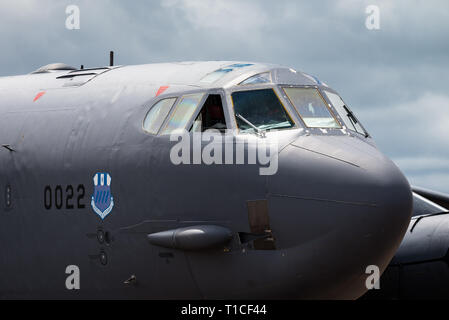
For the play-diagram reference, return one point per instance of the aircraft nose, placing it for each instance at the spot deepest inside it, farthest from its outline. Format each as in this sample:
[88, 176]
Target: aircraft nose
[337, 206]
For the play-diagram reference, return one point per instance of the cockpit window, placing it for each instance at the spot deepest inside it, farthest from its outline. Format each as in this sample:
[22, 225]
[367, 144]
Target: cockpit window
[311, 107]
[215, 76]
[211, 115]
[218, 74]
[183, 112]
[261, 109]
[258, 78]
[348, 117]
[157, 114]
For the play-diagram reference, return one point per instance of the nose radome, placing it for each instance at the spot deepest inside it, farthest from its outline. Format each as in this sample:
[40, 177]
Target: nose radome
[339, 169]
[344, 200]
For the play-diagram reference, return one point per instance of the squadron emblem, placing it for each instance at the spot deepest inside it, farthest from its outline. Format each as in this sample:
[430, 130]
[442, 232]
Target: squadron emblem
[102, 200]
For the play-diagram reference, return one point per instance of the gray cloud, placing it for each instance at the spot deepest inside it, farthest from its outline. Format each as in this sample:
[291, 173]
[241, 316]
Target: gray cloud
[396, 78]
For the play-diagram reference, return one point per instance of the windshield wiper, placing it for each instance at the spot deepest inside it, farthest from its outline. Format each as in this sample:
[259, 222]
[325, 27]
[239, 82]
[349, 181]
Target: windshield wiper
[354, 120]
[350, 115]
[260, 133]
[279, 125]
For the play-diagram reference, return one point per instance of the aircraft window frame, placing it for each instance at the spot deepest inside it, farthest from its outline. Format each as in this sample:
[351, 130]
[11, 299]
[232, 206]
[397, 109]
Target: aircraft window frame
[188, 122]
[320, 94]
[364, 132]
[261, 86]
[200, 107]
[176, 100]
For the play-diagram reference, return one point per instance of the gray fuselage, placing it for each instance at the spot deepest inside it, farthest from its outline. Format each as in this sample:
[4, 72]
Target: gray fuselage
[334, 206]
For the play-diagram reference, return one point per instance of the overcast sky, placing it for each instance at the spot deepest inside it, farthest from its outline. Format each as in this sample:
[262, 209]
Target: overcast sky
[396, 79]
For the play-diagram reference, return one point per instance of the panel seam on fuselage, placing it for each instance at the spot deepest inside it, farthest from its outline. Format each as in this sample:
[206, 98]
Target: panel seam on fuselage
[326, 155]
[365, 204]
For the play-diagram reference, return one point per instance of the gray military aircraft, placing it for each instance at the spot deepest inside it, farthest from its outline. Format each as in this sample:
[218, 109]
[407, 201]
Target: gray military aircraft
[101, 201]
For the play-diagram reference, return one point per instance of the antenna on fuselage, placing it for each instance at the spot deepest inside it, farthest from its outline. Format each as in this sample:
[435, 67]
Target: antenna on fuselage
[111, 58]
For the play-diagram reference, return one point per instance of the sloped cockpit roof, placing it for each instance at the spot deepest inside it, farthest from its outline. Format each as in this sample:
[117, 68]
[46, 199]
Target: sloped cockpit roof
[206, 74]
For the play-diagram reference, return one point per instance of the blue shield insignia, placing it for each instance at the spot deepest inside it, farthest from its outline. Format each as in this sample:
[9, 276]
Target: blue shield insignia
[102, 200]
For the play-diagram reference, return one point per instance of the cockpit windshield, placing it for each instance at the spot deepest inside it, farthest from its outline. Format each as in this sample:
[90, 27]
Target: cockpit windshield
[261, 109]
[311, 107]
[348, 117]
